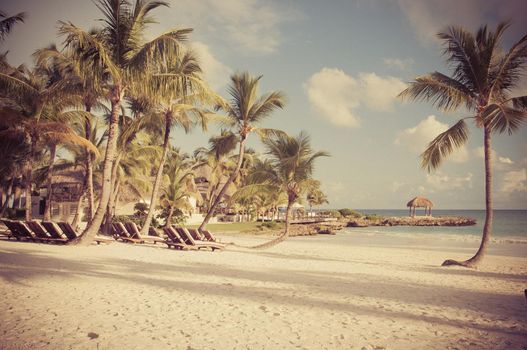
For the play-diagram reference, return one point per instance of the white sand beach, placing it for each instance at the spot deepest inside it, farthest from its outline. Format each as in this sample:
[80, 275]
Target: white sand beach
[348, 291]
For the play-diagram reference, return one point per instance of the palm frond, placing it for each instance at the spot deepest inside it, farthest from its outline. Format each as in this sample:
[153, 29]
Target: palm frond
[442, 91]
[443, 145]
[501, 118]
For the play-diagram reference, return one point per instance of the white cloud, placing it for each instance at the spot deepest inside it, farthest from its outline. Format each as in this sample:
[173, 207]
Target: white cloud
[440, 181]
[417, 138]
[216, 73]
[336, 95]
[429, 17]
[514, 181]
[505, 160]
[501, 163]
[253, 26]
[398, 63]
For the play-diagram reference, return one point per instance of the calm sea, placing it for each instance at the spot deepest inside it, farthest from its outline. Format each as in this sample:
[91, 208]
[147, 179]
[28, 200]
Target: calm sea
[507, 223]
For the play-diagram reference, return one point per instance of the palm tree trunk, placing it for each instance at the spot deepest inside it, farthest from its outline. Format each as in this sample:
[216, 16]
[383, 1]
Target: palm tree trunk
[8, 196]
[89, 171]
[168, 221]
[487, 228]
[47, 207]
[291, 199]
[159, 176]
[78, 211]
[29, 178]
[94, 225]
[225, 186]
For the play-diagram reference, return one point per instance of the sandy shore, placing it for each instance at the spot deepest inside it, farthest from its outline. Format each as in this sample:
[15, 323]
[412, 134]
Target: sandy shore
[349, 291]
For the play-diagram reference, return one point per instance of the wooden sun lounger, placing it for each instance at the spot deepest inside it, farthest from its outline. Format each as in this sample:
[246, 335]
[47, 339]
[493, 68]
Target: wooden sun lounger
[70, 232]
[42, 233]
[201, 237]
[208, 236]
[134, 231]
[54, 230]
[18, 231]
[124, 235]
[174, 240]
[188, 239]
[9, 232]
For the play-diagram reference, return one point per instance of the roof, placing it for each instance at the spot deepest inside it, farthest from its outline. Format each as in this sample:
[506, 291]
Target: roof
[420, 202]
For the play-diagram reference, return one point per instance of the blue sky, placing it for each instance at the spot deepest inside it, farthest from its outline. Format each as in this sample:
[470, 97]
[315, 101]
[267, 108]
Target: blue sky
[341, 64]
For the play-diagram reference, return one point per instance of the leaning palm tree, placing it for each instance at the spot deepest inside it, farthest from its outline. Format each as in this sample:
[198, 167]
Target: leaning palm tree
[244, 112]
[288, 170]
[483, 77]
[125, 57]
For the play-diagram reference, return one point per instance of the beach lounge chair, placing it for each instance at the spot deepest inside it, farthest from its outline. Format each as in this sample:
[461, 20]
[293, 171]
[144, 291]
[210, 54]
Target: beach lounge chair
[54, 230]
[7, 233]
[174, 240]
[202, 237]
[135, 232]
[124, 234]
[42, 233]
[70, 232]
[25, 231]
[188, 239]
[208, 236]
[17, 231]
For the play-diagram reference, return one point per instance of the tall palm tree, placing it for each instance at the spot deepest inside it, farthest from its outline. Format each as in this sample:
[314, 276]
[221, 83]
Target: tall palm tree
[180, 94]
[7, 22]
[120, 48]
[288, 170]
[244, 112]
[483, 77]
[83, 79]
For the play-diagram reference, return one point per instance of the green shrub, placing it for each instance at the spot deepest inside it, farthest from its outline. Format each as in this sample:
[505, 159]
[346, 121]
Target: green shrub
[270, 225]
[349, 213]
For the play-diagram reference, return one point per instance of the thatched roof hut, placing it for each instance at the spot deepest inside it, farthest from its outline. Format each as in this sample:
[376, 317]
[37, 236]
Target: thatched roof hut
[420, 202]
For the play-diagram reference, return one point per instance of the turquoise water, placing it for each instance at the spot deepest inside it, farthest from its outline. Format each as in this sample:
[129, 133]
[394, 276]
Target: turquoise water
[507, 223]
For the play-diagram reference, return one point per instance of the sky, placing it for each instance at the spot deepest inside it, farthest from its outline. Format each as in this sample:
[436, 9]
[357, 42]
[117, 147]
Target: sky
[341, 65]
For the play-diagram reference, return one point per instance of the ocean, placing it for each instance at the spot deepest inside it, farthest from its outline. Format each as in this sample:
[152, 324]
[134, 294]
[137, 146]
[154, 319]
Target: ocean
[507, 223]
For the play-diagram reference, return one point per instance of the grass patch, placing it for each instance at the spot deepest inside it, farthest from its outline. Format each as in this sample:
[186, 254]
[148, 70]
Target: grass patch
[240, 227]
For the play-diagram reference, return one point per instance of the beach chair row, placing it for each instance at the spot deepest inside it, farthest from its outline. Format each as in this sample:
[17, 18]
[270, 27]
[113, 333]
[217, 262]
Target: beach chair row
[43, 231]
[174, 237]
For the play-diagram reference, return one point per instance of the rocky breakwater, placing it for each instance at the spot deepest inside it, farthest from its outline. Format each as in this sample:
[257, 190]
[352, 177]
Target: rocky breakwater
[412, 221]
[320, 228]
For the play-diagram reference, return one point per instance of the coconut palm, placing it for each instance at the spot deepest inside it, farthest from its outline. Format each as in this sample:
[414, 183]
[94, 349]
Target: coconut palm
[83, 79]
[36, 100]
[122, 52]
[244, 112]
[316, 197]
[179, 185]
[288, 170]
[7, 22]
[180, 94]
[483, 77]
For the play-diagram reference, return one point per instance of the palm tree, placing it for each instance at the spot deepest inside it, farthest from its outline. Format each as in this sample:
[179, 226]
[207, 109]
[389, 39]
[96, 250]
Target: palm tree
[83, 79]
[288, 170]
[178, 88]
[244, 112]
[38, 98]
[7, 22]
[483, 77]
[179, 186]
[316, 197]
[120, 49]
